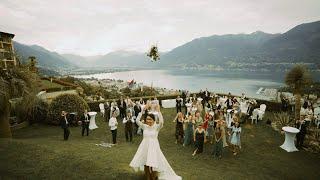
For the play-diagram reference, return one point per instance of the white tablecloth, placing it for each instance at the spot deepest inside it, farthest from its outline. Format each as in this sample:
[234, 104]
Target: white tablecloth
[92, 124]
[169, 103]
[288, 144]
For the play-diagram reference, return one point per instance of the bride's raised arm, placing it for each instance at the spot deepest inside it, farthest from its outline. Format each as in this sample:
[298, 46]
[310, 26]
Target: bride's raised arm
[139, 123]
[160, 124]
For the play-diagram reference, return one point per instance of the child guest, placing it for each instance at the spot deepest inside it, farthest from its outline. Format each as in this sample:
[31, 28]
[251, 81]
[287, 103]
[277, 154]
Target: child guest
[235, 137]
[113, 127]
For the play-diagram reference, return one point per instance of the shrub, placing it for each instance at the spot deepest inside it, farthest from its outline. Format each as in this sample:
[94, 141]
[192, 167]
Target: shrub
[281, 119]
[66, 102]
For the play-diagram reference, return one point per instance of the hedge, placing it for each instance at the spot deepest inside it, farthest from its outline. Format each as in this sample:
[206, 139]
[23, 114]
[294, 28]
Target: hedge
[65, 102]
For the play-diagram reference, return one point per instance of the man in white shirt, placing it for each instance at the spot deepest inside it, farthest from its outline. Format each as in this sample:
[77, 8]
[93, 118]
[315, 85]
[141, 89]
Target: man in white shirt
[113, 123]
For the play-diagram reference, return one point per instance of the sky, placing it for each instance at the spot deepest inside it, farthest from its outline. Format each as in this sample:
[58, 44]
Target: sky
[97, 27]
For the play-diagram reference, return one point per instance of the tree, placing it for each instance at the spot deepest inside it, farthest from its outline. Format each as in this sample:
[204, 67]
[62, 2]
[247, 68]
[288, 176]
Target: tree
[298, 78]
[14, 82]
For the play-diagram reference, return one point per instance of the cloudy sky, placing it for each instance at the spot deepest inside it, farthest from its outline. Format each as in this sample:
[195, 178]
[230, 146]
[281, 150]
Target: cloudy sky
[92, 27]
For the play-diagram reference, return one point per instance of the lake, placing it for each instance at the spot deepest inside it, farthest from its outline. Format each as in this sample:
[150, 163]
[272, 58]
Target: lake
[220, 82]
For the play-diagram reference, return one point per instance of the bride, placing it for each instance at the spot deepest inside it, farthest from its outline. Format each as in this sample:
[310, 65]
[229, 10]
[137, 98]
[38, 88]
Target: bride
[149, 156]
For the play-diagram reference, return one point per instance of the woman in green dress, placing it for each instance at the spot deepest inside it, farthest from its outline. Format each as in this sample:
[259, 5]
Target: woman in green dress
[189, 126]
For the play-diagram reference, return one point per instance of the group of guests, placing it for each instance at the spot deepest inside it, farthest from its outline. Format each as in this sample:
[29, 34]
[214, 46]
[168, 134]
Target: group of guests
[65, 122]
[208, 120]
[127, 111]
[309, 116]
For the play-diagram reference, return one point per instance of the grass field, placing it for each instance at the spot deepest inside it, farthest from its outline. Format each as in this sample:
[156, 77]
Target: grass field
[38, 152]
[45, 84]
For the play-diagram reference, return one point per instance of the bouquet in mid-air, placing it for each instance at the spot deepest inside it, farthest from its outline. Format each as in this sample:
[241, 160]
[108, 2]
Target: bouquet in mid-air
[153, 53]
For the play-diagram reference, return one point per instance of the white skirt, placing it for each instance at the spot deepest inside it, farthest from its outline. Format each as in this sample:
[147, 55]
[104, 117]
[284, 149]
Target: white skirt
[150, 154]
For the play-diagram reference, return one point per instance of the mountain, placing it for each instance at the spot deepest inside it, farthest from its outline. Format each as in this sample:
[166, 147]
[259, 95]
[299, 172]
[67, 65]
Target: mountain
[244, 51]
[217, 49]
[300, 44]
[45, 58]
[124, 59]
[119, 58]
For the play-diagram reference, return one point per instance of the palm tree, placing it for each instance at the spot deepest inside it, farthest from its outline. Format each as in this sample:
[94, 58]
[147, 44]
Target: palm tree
[297, 79]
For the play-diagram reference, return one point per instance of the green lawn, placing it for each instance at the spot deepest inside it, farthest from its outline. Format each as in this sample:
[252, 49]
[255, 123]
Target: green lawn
[38, 152]
[45, 84]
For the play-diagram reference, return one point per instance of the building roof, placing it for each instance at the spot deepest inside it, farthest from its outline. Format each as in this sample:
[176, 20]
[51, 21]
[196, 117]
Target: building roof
[9, 34]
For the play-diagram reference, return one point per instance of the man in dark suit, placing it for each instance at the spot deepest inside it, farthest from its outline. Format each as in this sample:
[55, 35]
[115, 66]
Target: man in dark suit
[107, 108]
[85, 120]
[122, 107]
[64, 123]
[206, 95]
[229, 102]
[178, 104]
[302, 126]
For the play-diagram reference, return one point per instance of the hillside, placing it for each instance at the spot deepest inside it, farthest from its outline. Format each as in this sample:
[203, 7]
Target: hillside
[45, 58]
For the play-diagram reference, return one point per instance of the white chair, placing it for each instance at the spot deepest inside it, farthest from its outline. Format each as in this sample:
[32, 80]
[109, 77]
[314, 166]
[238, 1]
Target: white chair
[244, 107]
[317, 116]
[254, 116]
[262, 111]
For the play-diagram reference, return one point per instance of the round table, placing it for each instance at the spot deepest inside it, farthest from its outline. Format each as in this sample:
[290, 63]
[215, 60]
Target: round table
[288, 144]
[92, 124]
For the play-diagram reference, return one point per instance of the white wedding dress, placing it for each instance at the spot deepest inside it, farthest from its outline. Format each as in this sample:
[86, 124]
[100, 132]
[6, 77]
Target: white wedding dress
[149, 152]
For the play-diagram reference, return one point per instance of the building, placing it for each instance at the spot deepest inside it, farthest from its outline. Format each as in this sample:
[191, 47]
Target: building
[7, 57]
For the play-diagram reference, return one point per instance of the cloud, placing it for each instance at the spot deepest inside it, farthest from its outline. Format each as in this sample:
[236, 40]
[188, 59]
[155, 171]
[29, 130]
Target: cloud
[100, 26]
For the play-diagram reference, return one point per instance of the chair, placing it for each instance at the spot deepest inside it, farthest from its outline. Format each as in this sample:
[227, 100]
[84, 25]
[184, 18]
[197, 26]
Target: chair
[254, 116]
[262, 111]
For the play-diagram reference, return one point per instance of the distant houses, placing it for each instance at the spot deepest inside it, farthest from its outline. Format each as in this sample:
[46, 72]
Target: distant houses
[7, 55]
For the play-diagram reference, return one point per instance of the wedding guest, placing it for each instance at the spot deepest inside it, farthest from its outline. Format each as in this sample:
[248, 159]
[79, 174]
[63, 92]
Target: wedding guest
[179, 119]
[302, 126]
[85, 120]
[206, 121]
[183, 96]
[64, 123]
[122, 107]
[217, 147]
[107, 108]
[178, 104]
[211, 125]
[206, 95]
[198, 119]
[243, 97]
[128, 122]
[199, 106]
[102, 110]
[199, 139]
[223, 131]
[235, 137]
[208, 107]
[113, 123]
[189, 124]
[141, 101]
[229, 102]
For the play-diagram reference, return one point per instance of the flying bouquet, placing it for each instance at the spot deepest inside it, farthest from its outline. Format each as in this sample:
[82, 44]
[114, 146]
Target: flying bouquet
[153, 53]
